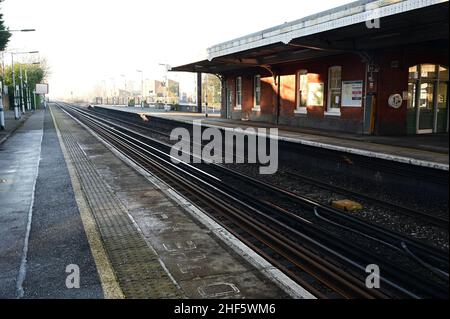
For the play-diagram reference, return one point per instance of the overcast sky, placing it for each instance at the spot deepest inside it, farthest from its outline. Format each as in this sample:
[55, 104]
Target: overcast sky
[90, 41]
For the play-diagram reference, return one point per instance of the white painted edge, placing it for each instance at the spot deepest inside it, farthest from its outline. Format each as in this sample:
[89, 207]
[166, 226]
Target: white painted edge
[267, 269]
[301, 110]
[379, 155]
[332, 113]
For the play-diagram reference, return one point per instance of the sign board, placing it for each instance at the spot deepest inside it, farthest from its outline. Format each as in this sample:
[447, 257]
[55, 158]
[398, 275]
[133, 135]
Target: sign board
[352, 92]
[41, 88]
[395, 101]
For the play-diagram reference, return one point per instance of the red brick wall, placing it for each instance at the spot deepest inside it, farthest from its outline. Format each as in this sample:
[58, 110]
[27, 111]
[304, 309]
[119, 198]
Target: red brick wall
[231, 85]
[394, 80]
[287, 95]
[390, 80]
[268, 95]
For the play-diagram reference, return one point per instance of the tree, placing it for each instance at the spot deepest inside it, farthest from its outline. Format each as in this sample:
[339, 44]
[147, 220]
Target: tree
[211, 87]
[4, 36]
[36, 73]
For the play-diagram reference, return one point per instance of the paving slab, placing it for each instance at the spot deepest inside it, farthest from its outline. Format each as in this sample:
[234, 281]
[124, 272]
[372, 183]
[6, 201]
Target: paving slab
[198, 263]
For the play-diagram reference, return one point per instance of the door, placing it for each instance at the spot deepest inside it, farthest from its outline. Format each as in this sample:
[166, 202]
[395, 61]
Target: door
[442, 101]
[426, 107]
[427, 110]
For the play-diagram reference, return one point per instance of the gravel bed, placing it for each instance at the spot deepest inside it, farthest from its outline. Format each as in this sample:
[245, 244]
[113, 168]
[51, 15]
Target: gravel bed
[412, 227]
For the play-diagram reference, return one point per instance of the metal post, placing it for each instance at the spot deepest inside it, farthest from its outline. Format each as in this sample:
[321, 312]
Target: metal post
[34, 98]
[206, 95]
[2, 114]
[16, 107]
[199, 92]
[166, 88]
[142, 88]
[27, 91]
[22, 102]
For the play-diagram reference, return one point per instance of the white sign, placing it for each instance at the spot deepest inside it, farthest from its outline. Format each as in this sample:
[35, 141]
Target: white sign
[41, 88]
[395, 101]
[352, 92]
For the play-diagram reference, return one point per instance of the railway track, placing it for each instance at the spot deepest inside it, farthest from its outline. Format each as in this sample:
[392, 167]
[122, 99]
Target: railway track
[299, 241]
[425, 217]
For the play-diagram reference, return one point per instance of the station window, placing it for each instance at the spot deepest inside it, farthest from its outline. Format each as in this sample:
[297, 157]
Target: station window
[257, 93]
[302, 91]
[239, 93]
[334, 89]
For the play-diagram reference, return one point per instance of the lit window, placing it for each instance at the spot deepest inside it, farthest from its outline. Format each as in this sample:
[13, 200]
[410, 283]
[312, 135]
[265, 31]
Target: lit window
[238, 92]
[334, 88]
[302, 89]
[257, 91]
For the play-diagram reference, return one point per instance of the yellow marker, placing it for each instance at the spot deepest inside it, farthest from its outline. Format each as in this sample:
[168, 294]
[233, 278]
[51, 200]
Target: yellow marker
[346, 205]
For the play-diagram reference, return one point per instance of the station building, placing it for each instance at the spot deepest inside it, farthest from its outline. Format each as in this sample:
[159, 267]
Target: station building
[369, 67]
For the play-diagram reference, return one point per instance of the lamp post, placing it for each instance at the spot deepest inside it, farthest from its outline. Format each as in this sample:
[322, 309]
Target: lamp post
[34, 99]
[2, 113]
[142, 87]
[22, 101]
[206, 95]
[27, 91]
[16, 107]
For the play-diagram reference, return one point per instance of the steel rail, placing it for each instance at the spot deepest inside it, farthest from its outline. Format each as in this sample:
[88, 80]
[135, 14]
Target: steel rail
[90, 115]
[396, 208]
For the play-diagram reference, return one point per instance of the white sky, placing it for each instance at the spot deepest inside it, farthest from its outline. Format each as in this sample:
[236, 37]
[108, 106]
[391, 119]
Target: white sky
[90, 41]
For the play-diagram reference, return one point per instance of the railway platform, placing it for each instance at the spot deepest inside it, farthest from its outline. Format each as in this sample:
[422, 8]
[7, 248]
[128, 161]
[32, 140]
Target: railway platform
[11, 124]
[430, 151]
[71, 205]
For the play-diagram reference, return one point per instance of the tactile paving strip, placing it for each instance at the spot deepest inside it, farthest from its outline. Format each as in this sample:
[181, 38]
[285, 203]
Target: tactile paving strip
[137, 268]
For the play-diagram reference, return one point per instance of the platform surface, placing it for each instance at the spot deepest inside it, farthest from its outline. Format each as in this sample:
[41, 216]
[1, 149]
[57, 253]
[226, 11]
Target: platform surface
[67, 199]
[422, 150]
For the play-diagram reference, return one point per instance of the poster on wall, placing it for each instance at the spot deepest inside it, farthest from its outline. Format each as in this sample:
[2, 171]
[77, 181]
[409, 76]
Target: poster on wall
[352, 93]
[315, 94]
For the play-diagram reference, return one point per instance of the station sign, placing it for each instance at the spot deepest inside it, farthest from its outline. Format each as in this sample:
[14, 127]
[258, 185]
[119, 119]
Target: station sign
[41, 88]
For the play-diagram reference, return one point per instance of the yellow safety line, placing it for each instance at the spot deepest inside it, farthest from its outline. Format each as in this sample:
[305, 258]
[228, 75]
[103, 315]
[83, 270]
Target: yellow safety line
[110, 285]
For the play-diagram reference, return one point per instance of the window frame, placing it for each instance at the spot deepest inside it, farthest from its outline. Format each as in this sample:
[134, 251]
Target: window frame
[238, 88]
[299, 109]
[334, 111]
[256, 79]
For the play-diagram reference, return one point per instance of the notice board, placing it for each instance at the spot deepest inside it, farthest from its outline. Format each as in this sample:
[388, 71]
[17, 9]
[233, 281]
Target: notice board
[352, 93]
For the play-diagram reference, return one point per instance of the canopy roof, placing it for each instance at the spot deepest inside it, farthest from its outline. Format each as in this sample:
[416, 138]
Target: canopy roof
[335, 31]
